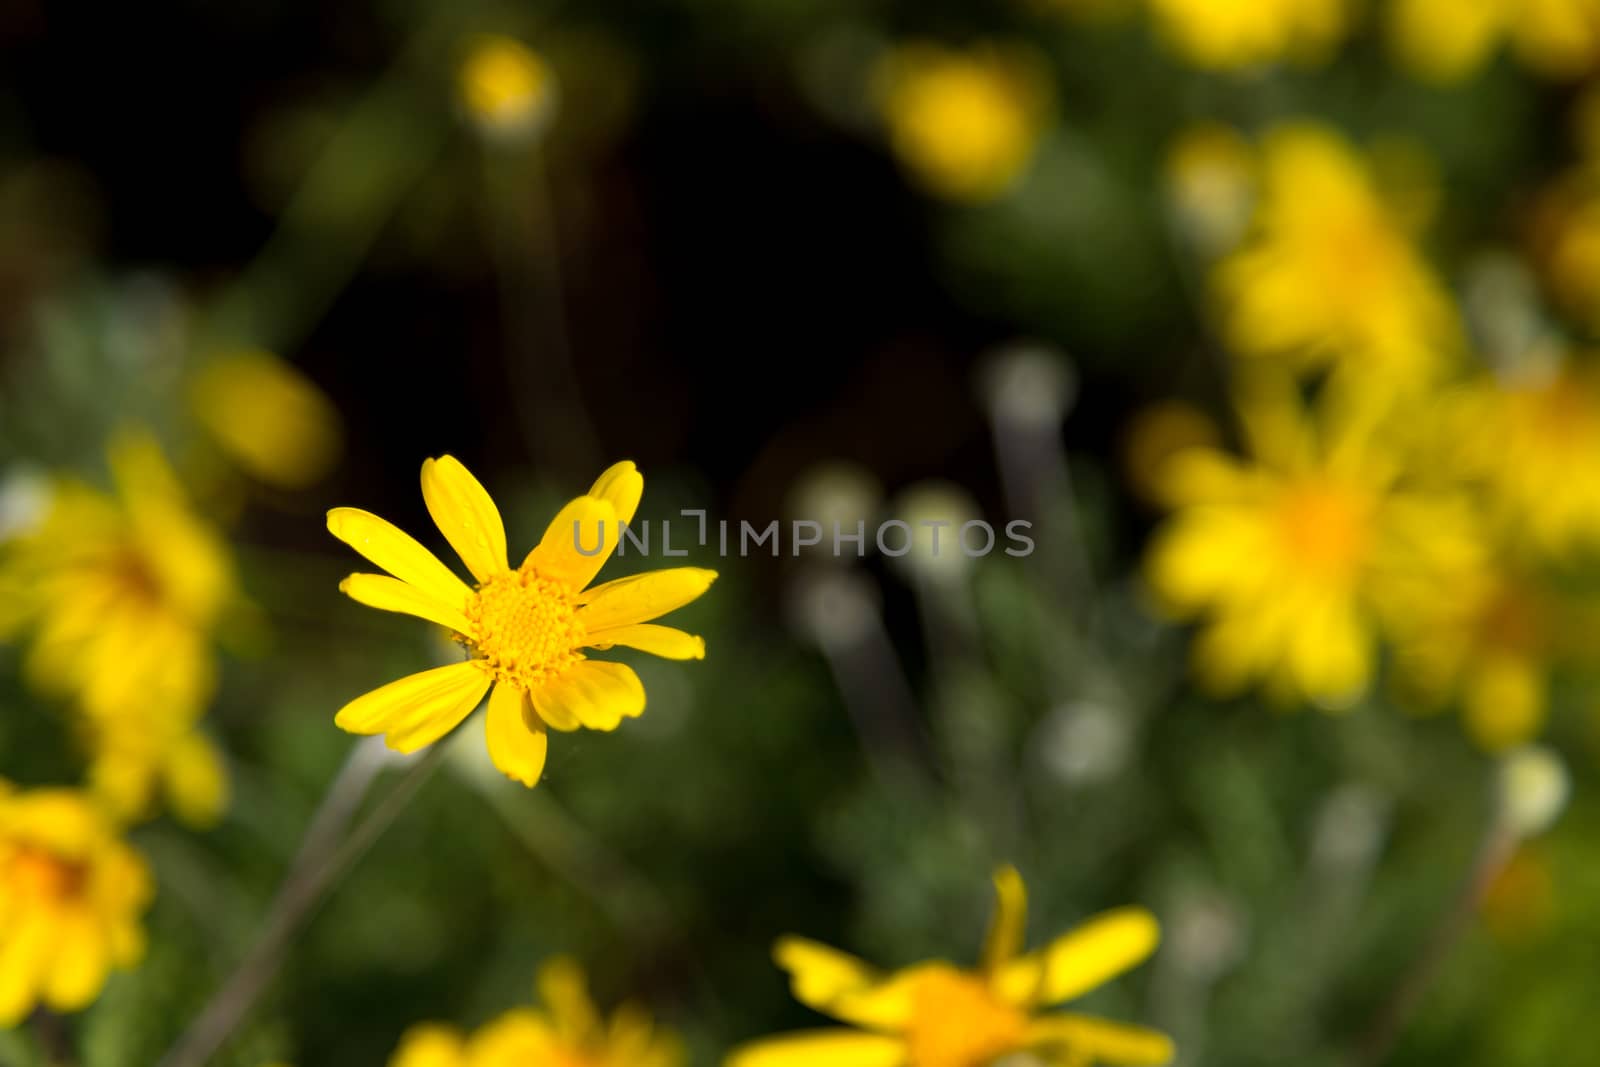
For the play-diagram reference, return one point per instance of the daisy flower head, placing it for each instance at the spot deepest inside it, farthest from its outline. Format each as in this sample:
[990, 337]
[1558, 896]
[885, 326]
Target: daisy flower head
[568, 1031]
[71, 895]
[525, 629]
[935, 1014]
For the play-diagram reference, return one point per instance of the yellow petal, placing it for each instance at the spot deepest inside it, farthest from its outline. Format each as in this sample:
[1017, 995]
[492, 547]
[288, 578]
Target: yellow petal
[577, 542]
[517, 742]
[599, 695]
[623, 485]
[466, 515]
[430, 1045]
[396, 552]
[835, 983]
[196, 780]
[391, 594]
[835, 1048]
[663, 641]
[1010, 923]
[565, 996]
[419, 709]
[642, 597]
[78, 971]
[1077, 962]
[25, 949]
[1085, 1039]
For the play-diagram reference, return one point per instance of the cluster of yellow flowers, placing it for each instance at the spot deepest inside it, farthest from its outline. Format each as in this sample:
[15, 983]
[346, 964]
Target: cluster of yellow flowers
[1389, 485]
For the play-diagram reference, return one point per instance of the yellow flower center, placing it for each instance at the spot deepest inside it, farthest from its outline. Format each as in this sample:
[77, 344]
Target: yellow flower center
[37, 875]
[957, 1022]
[525, 627]
[1324, 528]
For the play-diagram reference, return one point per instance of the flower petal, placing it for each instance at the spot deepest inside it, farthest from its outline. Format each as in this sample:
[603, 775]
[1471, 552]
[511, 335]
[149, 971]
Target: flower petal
[1077, 962]
[419, 708]
[1010, 923]
[1090, 1040]
[466, 515]
[836, 1048]
[663, 641]
[838, 984]
[517, 741]
[598, 694]
[565, 996]
[642, 597]
[623, 485]
[396, 552]
[77, 973]
[430, 1045]
[391, 594]
[577, 542]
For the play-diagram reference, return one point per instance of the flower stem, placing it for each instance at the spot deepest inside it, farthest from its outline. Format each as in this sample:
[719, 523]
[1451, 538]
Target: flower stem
[316, 868]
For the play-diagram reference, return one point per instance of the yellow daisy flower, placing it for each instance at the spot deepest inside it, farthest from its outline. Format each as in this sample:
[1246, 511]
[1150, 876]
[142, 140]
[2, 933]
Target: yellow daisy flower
[569, 1032]
[1329, 275]
[964, 123]
[71, 894]
[1281, 555]
[524, 627]
[935, 1014]
[1232, 34]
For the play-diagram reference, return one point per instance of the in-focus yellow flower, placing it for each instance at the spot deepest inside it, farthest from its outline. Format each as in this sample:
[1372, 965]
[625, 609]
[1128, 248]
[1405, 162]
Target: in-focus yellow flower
[1231, 34]
[568, 1032]
[1329, 275]
[71, 898]
[268, 417]
[934, 1014]
[524, 628]
[508, 90]
[1444, 40]
[964, 123]
[1281, 555]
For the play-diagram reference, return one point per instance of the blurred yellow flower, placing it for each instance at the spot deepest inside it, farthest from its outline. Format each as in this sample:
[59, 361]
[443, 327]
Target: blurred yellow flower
[1231, 34]
[1566, 243]
[1445, 40]
[523, 628]
[1329, 274]
[507, 89]
[1280, 554]
[1211, 183]
[139, 760]
[568, 1032]
[268, 417]
[934, 1014]
[71, 897]
[964, 123]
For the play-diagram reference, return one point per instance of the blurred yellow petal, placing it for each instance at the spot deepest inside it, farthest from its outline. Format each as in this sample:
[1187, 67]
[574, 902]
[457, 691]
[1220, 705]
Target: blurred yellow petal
[419, 709]
[598, 695]
[623, 486]
[1009, 926]
[466, 515]
[430, 1045]
[271, 419]
[577, 543]
[79, 965]
[391, 594]
[1079, 961]
[196, 780]
[26, 947]
[564, 992]
[642, 597]
[1084, 1039]
[1504, 702]
[815, 1048]
[398, 553]
[663, 641]
[517, 740]
[820, 974]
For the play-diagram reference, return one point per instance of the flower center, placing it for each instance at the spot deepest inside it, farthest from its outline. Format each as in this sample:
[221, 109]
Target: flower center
[525, 627]
[37, 875]
[1324, 528]
[957, 1022]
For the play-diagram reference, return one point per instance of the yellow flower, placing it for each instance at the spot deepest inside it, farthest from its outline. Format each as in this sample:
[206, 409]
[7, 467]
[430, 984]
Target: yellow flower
[1329, 275]
[1444, 40]
[934, 1014]
[524, 628]
[268, 417]
[122, 593]
[964, 123]
[1231, 34]
[1566, 242]
[136, 760]
[1281, 556]
[1211, 182]
[71, 895]
[569, 1032]
[507, 89]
